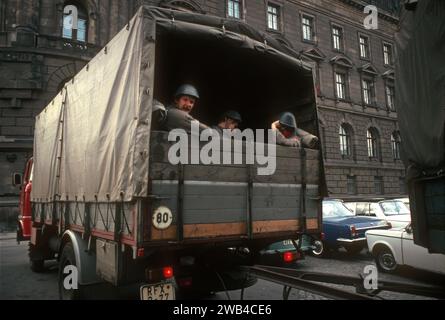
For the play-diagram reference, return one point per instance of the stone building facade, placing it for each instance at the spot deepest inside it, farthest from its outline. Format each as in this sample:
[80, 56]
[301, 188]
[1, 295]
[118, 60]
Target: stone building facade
[40, 51]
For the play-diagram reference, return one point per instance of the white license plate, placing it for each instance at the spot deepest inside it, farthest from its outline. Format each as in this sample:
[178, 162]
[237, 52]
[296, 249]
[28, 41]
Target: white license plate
[287, 242]
[158, 291]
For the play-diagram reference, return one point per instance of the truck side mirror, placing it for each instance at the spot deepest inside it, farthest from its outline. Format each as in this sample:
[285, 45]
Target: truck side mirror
[16, 179]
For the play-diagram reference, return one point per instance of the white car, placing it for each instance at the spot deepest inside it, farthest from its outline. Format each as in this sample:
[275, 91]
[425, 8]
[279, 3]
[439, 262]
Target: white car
[393, 211]
[395, 247]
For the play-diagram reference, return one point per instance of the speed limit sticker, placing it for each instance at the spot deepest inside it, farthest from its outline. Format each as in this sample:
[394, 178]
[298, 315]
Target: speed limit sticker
[162, 218]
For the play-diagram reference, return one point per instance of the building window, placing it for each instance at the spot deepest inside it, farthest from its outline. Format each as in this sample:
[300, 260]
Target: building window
[337, 38]
[234, 8]
[307, 24]
[364, 47]
[273, 17]
[340, 85]
[378, 185]
[78, 33]
[390, 97]
[402, 185]
[345, 140]
[351, 185]
[371, 136]
[387, 54]
[368, 91]
[395, 145]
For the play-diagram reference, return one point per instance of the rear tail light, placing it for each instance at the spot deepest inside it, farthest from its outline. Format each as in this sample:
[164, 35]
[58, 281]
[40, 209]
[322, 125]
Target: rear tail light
[354, 232]
[167, 272]
[140, 252]
[322, 236]
[289, 256]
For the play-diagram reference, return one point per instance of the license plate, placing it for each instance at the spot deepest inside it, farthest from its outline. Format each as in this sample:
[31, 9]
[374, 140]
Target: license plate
[287, 242]
[158, 291]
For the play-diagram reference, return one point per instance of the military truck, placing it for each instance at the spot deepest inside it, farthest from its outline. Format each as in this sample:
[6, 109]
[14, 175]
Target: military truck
[107, 200]
[420, 101]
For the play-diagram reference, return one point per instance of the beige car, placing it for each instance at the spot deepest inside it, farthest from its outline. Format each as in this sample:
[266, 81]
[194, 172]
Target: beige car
[395, 247]
[394, 211]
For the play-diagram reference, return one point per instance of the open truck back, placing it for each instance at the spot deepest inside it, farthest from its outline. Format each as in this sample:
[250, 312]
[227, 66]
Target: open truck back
[105, 196]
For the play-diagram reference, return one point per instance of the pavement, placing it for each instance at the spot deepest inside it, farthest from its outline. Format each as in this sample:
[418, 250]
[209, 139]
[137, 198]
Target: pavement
[7, 235]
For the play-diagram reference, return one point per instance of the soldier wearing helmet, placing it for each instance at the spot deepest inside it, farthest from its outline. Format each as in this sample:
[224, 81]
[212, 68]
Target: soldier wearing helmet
[288, 134]
[178, 113]
[228, 120]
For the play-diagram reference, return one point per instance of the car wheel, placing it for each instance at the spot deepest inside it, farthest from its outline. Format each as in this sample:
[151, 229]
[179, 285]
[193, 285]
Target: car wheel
[36, 263]
[320, 249]
[68, 258]
[385, 261]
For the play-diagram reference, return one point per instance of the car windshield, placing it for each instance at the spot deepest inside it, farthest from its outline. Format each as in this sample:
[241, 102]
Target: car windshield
[335, 209]
[391, 208]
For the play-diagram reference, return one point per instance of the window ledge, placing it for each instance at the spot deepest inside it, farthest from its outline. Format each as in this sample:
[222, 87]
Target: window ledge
[274, 31]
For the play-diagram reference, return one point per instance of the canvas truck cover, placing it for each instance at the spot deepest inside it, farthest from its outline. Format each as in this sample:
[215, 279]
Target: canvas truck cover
[92, 140]
[420, 87]
[420, 100]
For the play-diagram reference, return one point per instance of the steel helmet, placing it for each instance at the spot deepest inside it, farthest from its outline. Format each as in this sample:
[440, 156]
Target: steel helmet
[287, 119]
[234, 115]
[187, 90]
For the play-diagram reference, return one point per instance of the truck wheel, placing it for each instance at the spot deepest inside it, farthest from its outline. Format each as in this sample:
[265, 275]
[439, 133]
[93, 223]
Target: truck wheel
[385, 261]
[36, 263]
[320, 249]
[68, 258]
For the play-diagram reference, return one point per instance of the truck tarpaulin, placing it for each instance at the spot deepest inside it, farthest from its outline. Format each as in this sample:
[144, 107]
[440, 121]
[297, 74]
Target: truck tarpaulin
[420, 86]
[103, 113]
[420, 101]
[92, 140]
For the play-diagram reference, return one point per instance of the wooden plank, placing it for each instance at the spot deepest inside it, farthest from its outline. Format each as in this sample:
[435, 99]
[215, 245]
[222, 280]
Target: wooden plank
[275, 226]
[214, 229]
[168, 234]
[160, 145]
[214, 215]
[312, 223]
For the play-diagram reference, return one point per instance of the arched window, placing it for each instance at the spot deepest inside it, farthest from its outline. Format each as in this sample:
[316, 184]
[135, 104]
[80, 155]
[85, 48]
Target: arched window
[395, 144]
[69, 30]
[345, 140]
[372, 138]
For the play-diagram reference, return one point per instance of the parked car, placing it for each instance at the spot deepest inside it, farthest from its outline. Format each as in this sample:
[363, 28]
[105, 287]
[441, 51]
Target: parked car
[395, 247]
[394, 211]
[285, 253]
[341, 228]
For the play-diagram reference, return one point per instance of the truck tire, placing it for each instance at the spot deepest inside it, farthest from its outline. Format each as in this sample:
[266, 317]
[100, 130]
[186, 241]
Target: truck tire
[36, 263]
[68, 258]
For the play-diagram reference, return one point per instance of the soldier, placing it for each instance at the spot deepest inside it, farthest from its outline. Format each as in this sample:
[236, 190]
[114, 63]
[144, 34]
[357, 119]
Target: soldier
[178, 113]
[289, 135]
[229, 120]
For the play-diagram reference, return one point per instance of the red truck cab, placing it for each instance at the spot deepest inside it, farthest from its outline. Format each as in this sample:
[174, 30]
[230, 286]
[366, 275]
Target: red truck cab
[24, 219]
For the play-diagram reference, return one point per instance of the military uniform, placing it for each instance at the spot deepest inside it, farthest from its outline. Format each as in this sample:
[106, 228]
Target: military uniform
[297, 137]
[178, 119]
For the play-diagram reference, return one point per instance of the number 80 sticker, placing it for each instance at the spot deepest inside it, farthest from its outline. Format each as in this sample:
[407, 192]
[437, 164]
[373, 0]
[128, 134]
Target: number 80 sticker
[162, 218]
